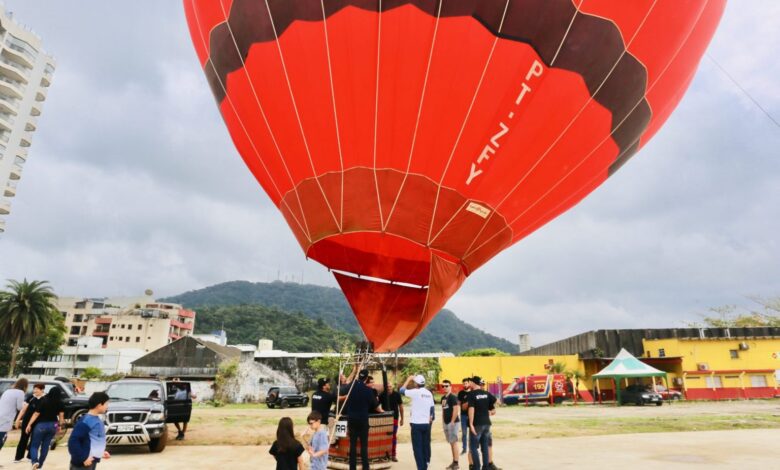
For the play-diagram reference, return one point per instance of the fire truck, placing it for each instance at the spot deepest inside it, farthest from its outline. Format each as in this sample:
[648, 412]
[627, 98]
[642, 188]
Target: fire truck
[552, 388]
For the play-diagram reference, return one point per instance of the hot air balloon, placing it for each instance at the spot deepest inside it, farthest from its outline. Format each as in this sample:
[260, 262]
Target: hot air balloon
[407, 142]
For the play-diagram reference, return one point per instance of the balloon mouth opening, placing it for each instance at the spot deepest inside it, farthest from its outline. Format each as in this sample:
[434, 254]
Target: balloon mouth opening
[379, 257]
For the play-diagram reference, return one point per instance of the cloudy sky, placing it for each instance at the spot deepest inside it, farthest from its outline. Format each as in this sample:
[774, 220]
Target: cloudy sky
[133, 183]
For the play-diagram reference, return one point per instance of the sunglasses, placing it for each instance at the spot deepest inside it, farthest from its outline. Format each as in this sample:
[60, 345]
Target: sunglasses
[445, 386]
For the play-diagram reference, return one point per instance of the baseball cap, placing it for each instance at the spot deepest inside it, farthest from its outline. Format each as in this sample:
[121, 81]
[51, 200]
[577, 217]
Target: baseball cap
[363, 374]
[419, 379]
[322, 381]
[477, 380]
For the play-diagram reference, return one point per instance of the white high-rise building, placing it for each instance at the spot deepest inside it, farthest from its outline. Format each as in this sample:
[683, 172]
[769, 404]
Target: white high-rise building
[25, 75]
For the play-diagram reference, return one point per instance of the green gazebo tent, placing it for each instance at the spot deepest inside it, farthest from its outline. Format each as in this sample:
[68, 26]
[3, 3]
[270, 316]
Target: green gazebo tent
[626, 366]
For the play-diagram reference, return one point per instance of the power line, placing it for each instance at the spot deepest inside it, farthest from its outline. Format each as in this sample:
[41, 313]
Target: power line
[735, 82]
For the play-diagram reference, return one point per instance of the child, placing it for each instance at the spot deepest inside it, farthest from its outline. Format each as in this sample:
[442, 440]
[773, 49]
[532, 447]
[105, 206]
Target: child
[87, 443]
[319, 444]
[286, 449]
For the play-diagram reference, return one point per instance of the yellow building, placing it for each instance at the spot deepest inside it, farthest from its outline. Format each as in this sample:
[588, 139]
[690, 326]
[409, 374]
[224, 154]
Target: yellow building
[710, 363]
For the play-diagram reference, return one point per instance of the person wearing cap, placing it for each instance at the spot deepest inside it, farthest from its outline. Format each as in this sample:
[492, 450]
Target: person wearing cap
[481, 408]
[420, 419]
[358, 404]
[322, 401]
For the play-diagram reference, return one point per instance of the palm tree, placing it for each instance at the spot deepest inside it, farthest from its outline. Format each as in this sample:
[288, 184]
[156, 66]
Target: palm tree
[574, 377]
[26, 310]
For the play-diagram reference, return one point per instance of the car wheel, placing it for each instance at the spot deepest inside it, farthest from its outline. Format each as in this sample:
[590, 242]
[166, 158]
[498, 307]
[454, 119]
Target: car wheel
[77, 417]
[158, 445]
[676, 397]
[659, 403]
[640, 402]
[270, 405]
[284, 404]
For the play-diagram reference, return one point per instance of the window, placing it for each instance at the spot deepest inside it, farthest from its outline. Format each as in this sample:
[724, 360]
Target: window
[758, 381]
[111, 338]
[139, 326]
[78, 317]
[713, 381]
[113, 326]
[734, 354]
[122, 326]
[137, 339]
[661, 352]
[82, 358]
[74, 330]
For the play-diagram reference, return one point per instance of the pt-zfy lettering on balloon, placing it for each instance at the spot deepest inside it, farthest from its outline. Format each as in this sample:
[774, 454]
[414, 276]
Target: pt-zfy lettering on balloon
[535, 71]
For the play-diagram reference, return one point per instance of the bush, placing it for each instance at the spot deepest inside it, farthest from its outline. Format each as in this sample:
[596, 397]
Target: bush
[92, 373]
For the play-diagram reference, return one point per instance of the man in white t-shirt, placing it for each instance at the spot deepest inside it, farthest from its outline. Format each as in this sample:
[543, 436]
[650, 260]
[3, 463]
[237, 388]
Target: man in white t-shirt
[420, 419]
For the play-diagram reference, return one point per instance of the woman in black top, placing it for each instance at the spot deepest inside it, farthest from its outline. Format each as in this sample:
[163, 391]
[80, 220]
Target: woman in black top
[286, 449]
[47, 420]
[29, 408]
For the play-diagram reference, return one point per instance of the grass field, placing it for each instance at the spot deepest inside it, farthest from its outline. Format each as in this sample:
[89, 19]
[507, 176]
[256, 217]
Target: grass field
[256, 425]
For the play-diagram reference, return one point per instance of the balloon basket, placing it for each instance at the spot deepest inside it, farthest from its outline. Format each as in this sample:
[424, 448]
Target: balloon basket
[380, 443]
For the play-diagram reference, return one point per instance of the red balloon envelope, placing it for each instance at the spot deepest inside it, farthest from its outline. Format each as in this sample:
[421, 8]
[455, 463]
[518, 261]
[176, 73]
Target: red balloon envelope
[408, 142]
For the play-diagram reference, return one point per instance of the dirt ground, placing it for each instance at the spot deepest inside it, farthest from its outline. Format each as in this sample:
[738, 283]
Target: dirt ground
[743, 449]
[740, 434]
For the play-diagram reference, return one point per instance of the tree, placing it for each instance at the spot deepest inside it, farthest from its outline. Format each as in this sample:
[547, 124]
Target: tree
[574, 376]
[27, 310]
[91, 373]
[765, 314]
[427, 367]
[483, 352]
[557, 368]
[34, 349]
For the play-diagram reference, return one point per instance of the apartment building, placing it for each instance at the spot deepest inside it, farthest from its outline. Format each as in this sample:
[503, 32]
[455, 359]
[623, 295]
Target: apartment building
[126, 322]
[25, 75]
[88, 352]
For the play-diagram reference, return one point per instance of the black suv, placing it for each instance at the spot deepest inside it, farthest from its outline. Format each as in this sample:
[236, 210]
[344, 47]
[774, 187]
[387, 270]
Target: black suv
[284, 397]
[140, 409]
[640, 395]
[75, 404]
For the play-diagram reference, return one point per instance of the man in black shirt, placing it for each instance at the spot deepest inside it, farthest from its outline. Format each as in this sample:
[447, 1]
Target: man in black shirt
[396, 404]
[358, 405]
[322, 401]
[463, 400]
[481, 408]
[450, 412]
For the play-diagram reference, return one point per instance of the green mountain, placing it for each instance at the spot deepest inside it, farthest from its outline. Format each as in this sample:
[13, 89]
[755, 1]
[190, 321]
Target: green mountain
[324, 304]
[245, 324]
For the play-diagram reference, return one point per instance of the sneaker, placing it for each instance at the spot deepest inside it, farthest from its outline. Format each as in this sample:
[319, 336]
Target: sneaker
[492, 466]
[394, 458]
[463, 452]
[35, 466]
[180, 436]
[453, 466]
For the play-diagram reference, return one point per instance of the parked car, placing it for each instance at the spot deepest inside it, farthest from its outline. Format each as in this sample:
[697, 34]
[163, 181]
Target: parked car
[139, 410]
[75, 403]
[640, 395]
[284, 397]
[668, 394]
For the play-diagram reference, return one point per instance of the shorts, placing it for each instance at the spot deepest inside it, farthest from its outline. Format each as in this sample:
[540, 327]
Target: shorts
[451, 432]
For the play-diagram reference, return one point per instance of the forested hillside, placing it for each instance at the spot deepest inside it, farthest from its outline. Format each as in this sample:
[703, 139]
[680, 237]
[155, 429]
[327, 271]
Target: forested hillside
[445, 333]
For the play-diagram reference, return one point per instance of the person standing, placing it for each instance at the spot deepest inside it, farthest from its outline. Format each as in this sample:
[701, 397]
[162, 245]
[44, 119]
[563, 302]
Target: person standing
[319, 444]
[322, 401]
[463, 401]
[183, 393]
[44, 424]
[87, 443]
[449, 415]
[420, 419]
[393, 399]
[11, 402]
[286, 449]
[481, 408]
[29, 408]
[360, 402]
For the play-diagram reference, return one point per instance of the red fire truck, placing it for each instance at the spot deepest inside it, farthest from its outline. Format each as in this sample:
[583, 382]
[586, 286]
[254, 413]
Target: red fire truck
[553, 388]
